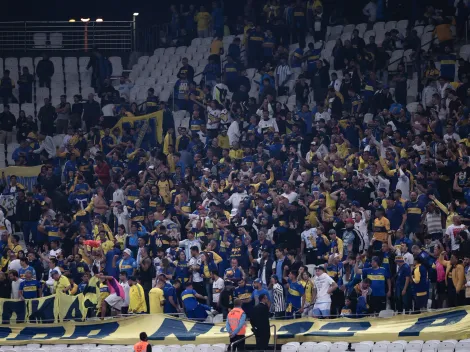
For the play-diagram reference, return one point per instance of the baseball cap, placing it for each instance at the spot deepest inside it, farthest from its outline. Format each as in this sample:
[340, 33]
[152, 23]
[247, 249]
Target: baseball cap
[53, 272]
[320, 267]
[258, 281]
[349, 220]
[275, 277]
[136, 201]
[128, 251]
[399, 258]
[383, 190]
[355, 203]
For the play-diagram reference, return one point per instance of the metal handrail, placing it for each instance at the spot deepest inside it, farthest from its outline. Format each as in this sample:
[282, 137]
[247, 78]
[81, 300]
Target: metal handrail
[275, 336]
[238, 341]
[247, 337]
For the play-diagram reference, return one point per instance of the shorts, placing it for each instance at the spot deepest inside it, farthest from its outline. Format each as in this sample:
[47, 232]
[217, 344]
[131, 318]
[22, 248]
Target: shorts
[115, 301]
[322, 309]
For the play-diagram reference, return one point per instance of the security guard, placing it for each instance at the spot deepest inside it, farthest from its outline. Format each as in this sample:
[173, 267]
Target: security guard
[143, 345]
[236, 326]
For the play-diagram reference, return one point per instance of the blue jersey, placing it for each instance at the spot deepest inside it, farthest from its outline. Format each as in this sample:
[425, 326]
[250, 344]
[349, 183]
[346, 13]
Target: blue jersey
[128, 265]
[395, 216]
[52, 233]
[182, 271]
[30, 288]
[233, 274]
[23, 271]
[413, 215]
[256, 293]
[294, 294]
[378, 278]
[169, 291]
[402, 273]
[243, 292]
[189, 299]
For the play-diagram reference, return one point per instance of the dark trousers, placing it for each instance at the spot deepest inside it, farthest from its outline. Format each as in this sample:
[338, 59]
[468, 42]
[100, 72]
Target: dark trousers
[45, 81]
[421, 302]
[200, 288]
[377, 303]
[402, 302]
[26, 95]
[30, 228]
[262, 341]
[239, 346]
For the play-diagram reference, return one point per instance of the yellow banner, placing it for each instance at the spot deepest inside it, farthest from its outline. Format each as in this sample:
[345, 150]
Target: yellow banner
[162, 329]
[155, 128]
[51, 309]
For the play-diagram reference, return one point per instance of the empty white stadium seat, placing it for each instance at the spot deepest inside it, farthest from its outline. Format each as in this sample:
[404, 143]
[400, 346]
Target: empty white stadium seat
[381, 346]
[339, 347]
[429, 347]
[290, 347]
[201, 348]
[390, 25]
[446, 347]
[11, 63]
[396, 347]
[116, 63]
[55, 40]
[362, 347]
[462, 346]
[27, 62]
[40, 40]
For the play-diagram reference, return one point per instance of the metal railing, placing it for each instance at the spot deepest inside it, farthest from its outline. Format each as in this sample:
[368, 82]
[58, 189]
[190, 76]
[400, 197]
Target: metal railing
[233, 344]
[67, 36]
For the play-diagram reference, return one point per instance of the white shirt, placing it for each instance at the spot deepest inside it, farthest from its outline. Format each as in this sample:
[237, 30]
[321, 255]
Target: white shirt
[453, 231]
[336, 84]
[292, 196]
[309, 236]
[282, 73]
[322, 285]
[50, 280]
[421, 149]
[124, 90]
[325, 115]
[48, 145]
[187, 244]
[125, 286]
[233, 132]
[235, 199]
[118, 196]
[15, 288]
[108, 110]
[269, 123]
[449, 136]
[14, 265]
[370, 10]
[196, 276]
[427, 94]
[218, 284]
[54, 253]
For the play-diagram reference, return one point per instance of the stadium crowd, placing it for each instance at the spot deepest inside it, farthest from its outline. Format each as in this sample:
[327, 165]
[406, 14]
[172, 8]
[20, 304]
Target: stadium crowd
[351, 186]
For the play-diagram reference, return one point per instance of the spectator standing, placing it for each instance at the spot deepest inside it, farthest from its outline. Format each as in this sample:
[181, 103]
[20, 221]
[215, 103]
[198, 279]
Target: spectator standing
[260, 323]
[91, 112]
[45, 71]
[236, 326]
[217, 19]
[25, 83]
[63, 115]
[203, 20]
[6, 88]
[7, 122]
[283, 74]
[186, 69]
